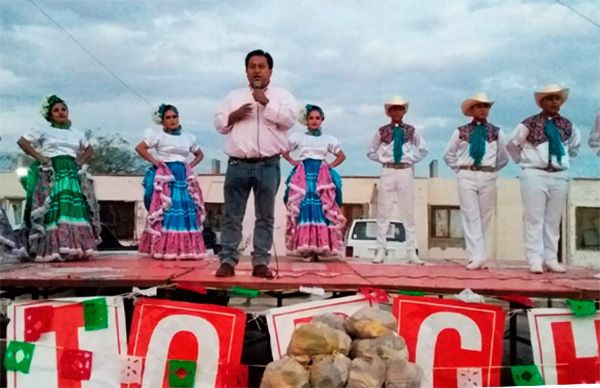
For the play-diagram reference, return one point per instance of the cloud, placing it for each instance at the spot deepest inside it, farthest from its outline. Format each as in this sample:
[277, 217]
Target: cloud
[347, 57]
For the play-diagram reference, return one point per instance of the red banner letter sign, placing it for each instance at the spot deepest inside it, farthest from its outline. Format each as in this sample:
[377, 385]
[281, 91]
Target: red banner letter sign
[447, 338]
[565, 347]
[205, 340]
[59, 329]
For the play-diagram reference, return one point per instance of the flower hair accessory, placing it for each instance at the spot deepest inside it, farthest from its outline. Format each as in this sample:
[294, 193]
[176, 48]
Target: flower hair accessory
[302, 117]
[158, 113]
[303, 114]
[47, 103]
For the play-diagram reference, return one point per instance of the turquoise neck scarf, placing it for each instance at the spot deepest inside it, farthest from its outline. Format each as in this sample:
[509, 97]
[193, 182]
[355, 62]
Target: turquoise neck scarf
[66, 125]
[316, 132]
[174, 132]
[398, 142]
[555, 146]
[477, 143]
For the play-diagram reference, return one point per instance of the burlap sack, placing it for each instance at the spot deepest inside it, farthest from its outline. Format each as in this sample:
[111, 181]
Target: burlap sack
[369, 322]
[285, 373]
[317, 338]
[344, 342]
[402, 374]
[383, 347]
[334, 321]
[366, 373]
[329, 371]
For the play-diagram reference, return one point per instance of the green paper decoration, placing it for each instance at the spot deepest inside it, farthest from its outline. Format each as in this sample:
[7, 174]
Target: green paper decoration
[526, 375]
[182, 373]
[582, 308]
[95, 314]
[18, 356]
[246, 292]
[411, 293]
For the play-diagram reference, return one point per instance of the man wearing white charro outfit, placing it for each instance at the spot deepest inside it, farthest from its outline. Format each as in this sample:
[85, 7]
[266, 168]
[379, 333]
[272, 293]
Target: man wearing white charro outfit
[476, 152]
[594, 143]
[542, 145]
[397, 146]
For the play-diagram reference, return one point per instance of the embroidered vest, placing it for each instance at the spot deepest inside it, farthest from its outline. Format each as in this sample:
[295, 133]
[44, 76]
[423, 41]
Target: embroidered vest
[535, 124]
[386, 133]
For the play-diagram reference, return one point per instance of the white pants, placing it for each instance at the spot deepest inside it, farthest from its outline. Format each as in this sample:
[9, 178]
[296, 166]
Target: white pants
[544, 195]
[396, 185]
[477, 197]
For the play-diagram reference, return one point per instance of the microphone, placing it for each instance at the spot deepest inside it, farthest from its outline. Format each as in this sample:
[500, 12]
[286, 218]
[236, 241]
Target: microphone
[257, 84]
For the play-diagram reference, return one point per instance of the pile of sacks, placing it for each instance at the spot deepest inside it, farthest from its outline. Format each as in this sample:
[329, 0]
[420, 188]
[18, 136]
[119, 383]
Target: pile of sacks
[363, 351]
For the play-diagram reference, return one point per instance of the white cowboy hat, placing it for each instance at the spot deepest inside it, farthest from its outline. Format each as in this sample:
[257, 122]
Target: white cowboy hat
[551, 89]
[479, 97]
[395, 101]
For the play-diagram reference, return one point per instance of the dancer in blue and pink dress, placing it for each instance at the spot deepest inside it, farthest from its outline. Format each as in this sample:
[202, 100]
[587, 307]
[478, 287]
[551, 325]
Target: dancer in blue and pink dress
[313, 195]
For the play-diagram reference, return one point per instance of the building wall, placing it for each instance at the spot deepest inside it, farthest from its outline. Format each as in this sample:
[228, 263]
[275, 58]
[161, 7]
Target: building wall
[507, 229]
[582, 193]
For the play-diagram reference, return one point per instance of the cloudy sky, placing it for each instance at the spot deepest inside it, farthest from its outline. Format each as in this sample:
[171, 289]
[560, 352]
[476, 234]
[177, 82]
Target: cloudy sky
[347, 56]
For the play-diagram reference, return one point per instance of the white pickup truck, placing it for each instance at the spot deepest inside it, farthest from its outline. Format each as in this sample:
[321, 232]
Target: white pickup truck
[361, 240]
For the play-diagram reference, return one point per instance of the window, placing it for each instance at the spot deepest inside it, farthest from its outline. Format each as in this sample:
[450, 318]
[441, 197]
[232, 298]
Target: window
[119, 217]
[587, 228]
[352, 212]
[445, 227]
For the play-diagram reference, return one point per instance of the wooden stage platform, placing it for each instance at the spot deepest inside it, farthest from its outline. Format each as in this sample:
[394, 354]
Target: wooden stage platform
[128, 270]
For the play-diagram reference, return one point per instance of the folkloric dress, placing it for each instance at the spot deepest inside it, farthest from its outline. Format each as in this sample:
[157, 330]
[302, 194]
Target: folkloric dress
[476, 152]
[397, 148]
[61, 210]
[313, 198]
[542, 146]
[173, 199]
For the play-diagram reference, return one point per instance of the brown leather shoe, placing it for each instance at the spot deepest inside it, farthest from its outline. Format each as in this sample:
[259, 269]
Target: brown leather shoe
[262, 271]
[225, 271]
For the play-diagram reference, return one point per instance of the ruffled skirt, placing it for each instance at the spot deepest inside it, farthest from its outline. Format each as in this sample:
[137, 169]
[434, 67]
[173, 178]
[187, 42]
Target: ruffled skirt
[314, 219]
[175, 213]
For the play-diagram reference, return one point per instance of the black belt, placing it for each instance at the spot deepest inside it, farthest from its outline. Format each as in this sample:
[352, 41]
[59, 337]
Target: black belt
[397, 166]
[478, 168]
[548, 169]
[254, 160]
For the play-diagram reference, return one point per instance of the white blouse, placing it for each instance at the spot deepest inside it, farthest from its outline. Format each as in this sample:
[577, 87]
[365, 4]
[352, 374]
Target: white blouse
[51, 142]
[170, 148]
[457, 153]
[313, 147]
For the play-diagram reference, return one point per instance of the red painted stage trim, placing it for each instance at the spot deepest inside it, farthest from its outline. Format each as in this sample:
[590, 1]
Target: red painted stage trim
[439, 278]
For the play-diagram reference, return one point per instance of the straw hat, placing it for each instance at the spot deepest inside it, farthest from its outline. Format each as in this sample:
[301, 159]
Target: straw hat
[395, 101]
[479, 97]
[549, 90]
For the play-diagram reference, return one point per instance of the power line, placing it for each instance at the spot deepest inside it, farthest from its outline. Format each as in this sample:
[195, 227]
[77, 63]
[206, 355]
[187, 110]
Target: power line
[578, 13]
[99, 62]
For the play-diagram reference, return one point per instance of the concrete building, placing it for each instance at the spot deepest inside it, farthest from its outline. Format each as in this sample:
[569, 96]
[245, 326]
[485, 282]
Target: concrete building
[439, 231]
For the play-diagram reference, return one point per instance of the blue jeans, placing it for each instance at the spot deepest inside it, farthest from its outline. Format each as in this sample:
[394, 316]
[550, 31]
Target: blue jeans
[263, 179]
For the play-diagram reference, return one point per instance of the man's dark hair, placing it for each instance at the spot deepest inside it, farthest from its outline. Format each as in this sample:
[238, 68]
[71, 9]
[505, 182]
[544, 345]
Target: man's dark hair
[260, 53]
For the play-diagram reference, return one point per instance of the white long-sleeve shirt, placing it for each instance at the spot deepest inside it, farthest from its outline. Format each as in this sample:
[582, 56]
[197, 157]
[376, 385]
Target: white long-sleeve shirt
[594, 140]
[263, 133]
[457, 150]
[381, 150]
[528, 145]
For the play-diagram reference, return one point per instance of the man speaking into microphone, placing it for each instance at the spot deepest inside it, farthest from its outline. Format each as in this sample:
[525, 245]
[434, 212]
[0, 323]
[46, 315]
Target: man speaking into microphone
[255, 120]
